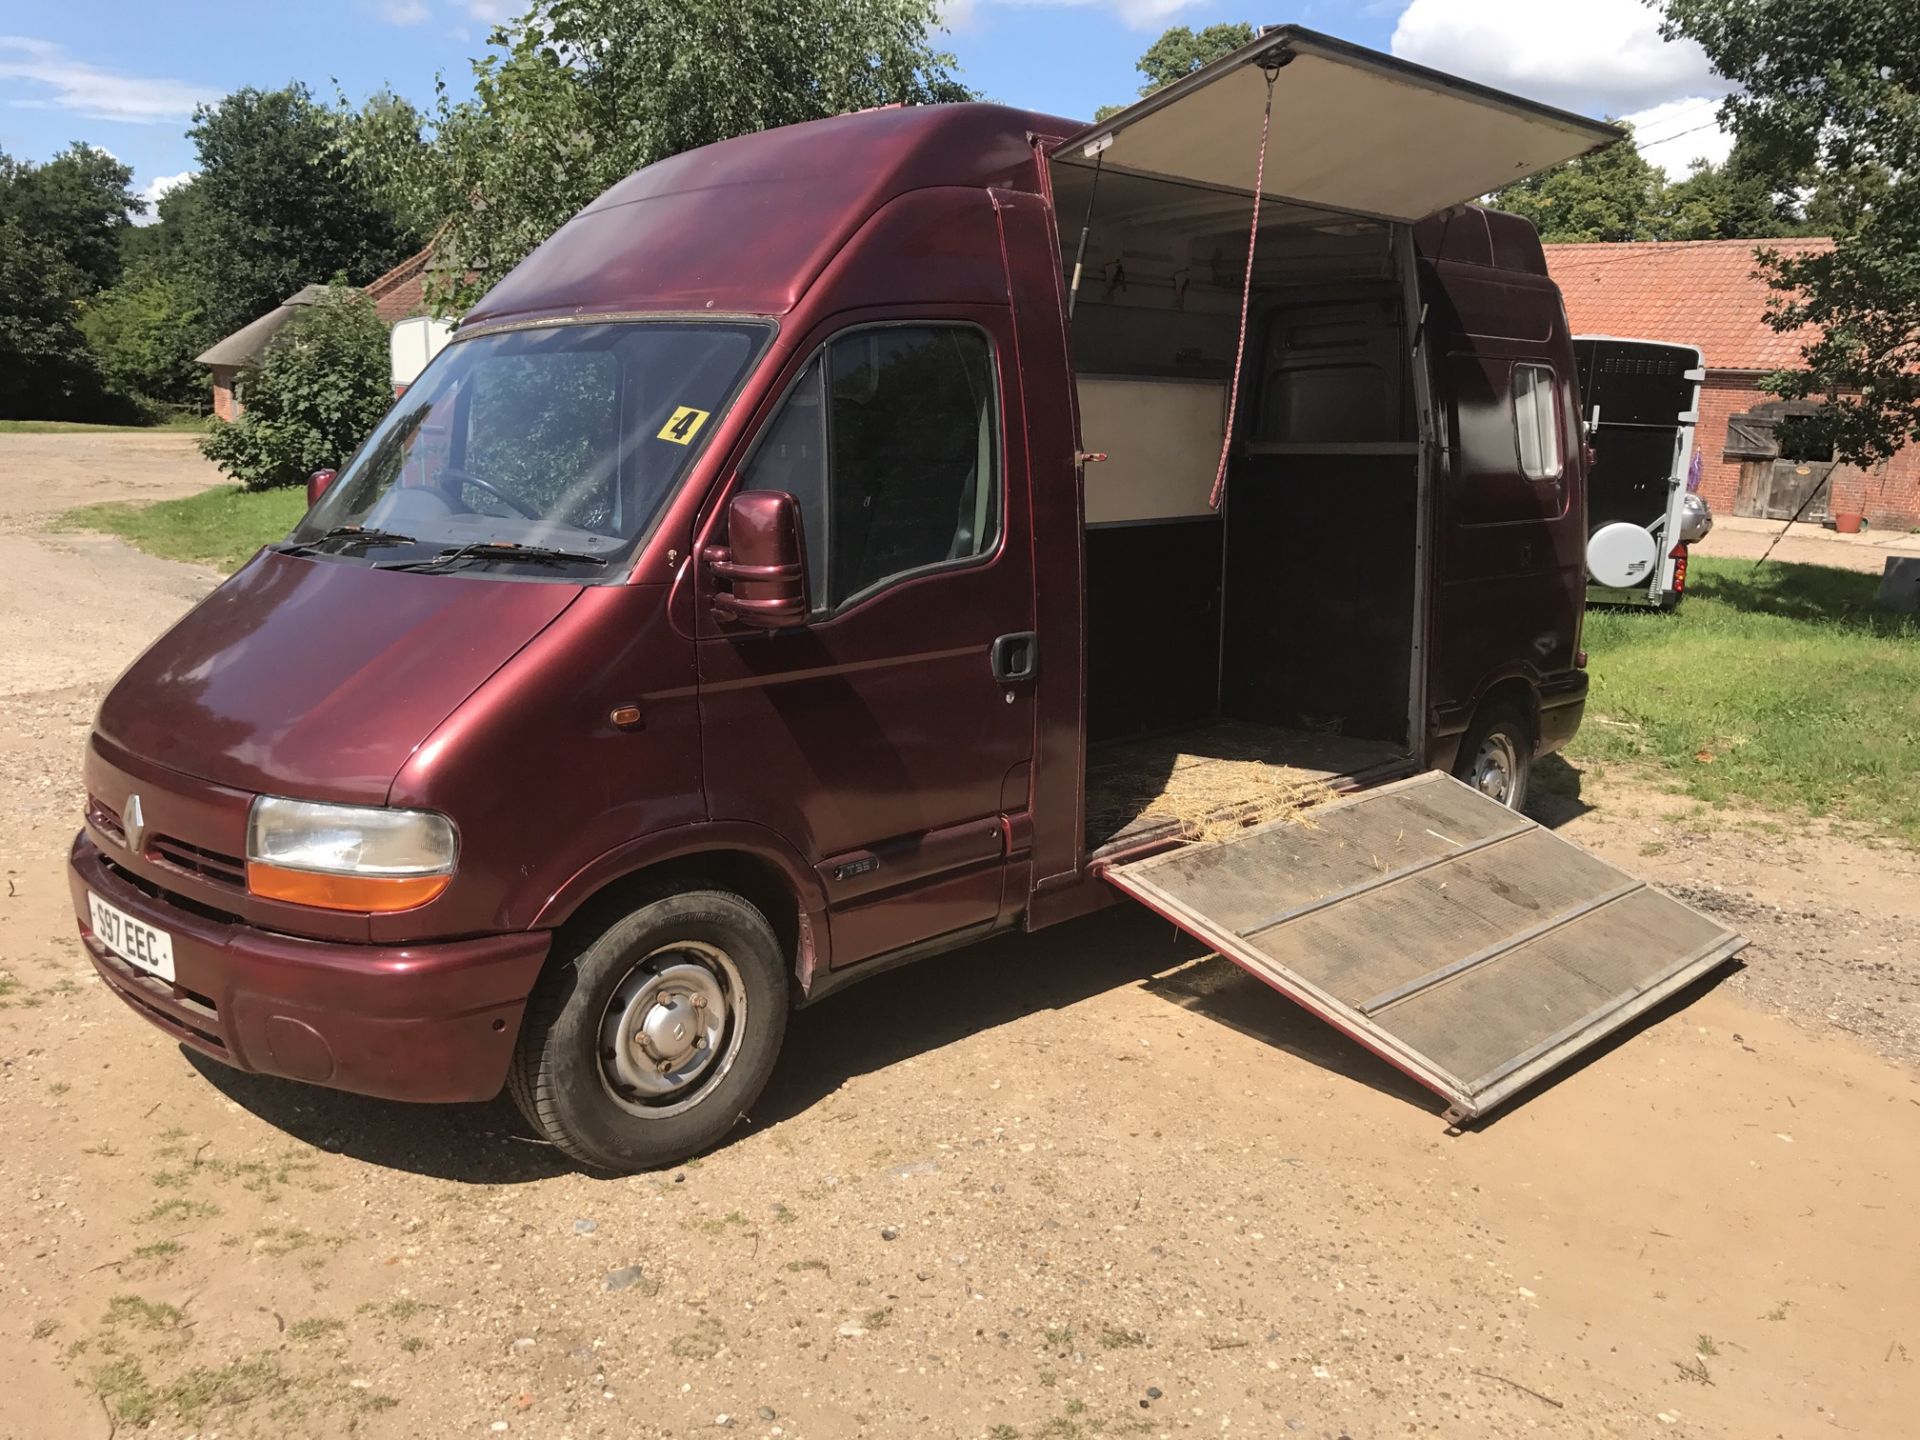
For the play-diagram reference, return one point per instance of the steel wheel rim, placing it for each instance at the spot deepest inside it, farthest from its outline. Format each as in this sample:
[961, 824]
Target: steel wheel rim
[672, 1029]
[1495, 765]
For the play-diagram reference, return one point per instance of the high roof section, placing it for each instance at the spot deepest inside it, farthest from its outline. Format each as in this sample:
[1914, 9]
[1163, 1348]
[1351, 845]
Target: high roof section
[746, 225]
[1690, 292]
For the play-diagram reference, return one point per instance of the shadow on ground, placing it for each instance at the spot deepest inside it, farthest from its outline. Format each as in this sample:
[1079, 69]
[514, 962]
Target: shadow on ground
[1797, 592]
[906, 1013]
[1553, 795]
[478, 1144]
[1673, 1005]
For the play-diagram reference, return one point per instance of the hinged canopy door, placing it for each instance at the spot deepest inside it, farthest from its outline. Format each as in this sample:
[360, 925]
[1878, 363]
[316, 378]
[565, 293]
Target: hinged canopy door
[1353, 130]
[1460, 941]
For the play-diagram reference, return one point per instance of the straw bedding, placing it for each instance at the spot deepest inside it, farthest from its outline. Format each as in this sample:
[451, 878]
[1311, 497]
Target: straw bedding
[1207, 796]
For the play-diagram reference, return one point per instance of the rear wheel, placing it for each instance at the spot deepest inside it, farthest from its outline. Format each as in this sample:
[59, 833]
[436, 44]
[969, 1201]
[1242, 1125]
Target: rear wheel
[1496, 758]
[652, 1041]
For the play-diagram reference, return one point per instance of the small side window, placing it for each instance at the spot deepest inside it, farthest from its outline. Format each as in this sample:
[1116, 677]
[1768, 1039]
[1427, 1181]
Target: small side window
[1536, 422]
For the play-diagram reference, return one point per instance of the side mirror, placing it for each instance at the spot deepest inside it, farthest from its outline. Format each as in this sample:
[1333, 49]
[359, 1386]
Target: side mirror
[317, 484]
[764, 561]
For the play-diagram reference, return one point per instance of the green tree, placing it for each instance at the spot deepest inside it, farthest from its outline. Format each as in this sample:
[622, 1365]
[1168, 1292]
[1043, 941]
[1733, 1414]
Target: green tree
[1179, 52]
[1735, 200]
[1831, 88]
[318, 391]
[76, 205]
[1613, 194]
[577, 94]
[60, 226]
[279, 204]
[386, 145]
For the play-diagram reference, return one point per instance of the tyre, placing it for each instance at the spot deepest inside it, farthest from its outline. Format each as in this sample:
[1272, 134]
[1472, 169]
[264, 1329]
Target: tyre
[1496, 757]
[649, 1043]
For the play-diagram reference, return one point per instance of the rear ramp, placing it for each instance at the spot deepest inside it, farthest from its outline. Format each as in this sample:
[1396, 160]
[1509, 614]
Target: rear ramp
[1460, 941]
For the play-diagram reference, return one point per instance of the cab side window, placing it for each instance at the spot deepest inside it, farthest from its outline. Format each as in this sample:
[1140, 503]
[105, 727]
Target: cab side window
[889, 442]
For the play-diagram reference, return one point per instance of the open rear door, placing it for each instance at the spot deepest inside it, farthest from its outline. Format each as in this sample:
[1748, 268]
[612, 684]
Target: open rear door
[1353, 130]
[1458, 940]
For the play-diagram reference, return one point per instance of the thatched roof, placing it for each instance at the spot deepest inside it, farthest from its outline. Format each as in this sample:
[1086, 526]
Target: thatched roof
[247, 344]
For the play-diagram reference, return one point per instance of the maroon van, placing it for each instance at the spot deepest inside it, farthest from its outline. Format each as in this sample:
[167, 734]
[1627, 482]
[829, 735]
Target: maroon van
[806, 561]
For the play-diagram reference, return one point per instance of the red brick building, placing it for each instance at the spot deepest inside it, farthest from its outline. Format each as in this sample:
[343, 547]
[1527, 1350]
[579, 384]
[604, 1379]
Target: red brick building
[1709, 293]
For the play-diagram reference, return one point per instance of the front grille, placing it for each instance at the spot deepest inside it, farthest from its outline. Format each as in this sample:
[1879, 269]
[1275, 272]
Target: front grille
[106, 820]
[169, 897]
[198, 860]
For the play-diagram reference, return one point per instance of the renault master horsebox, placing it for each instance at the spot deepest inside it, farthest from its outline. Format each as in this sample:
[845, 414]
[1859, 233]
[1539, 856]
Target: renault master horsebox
[832, 547]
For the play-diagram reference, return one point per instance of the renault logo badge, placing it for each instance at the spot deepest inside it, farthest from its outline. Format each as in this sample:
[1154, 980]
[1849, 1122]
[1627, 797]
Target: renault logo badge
[134, 821]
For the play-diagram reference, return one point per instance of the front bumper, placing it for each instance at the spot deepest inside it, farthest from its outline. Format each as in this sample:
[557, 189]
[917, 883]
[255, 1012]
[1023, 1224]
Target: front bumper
[409, 1022]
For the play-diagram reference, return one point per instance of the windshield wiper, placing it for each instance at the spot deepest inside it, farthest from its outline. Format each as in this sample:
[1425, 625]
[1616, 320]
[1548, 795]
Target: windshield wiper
[498, 550]
[350, 537]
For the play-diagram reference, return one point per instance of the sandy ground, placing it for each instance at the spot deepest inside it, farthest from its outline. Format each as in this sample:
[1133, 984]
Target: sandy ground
[1084, 1183]
[1737, 537]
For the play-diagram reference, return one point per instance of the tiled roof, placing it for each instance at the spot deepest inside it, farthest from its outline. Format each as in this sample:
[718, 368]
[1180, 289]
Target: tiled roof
[1686, 292]
[401, 292]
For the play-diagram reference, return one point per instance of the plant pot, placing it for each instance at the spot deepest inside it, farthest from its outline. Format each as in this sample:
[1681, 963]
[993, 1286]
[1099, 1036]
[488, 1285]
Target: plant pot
[1847, 522]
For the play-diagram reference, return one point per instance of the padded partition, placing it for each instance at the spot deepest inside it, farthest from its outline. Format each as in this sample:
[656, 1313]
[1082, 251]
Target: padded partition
[1162, 443]
[1153, 626]
[1319, 592]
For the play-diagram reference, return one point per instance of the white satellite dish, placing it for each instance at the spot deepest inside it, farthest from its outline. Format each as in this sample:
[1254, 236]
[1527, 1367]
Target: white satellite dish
[1622, 555]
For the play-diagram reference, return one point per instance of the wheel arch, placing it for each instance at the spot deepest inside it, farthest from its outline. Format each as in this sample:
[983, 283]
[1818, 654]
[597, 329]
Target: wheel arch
[1511, 692]
[749, 861]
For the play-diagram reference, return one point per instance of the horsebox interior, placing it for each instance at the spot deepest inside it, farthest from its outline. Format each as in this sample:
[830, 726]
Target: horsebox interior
[1269, 643]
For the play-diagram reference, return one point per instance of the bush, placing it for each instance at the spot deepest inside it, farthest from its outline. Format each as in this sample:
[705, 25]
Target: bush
[323, 384]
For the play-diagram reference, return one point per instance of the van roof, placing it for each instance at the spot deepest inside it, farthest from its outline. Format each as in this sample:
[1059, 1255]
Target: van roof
[745, 225]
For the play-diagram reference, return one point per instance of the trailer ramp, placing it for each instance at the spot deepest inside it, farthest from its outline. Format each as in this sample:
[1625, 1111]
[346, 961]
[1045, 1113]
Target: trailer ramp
[1460, 941]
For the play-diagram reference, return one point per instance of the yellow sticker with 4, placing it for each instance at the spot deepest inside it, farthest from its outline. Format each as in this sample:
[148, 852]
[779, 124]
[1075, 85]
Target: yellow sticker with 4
[683, 425]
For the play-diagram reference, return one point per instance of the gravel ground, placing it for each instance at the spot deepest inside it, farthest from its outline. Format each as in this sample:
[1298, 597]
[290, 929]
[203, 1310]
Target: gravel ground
[1086, 1183]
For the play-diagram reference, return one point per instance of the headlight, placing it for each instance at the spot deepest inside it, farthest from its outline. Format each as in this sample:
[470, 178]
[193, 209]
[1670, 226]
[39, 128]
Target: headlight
[347, 857]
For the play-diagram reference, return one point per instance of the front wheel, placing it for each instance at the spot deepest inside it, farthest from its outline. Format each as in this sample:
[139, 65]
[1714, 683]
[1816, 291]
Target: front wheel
[1496, 758]
[653, 1040]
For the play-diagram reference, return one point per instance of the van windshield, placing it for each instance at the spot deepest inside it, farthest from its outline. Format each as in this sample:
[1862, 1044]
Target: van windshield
[548, 450]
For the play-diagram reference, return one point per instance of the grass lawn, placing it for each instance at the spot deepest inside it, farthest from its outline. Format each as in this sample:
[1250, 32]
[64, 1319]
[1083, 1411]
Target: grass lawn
[1783, 686]
[193, 424]
[219, 527]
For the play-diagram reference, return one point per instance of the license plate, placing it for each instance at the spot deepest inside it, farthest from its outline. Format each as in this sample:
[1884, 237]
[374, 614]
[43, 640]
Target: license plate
[134, 941]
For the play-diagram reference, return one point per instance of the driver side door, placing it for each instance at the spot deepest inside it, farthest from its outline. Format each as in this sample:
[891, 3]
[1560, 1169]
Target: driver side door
[890, 737]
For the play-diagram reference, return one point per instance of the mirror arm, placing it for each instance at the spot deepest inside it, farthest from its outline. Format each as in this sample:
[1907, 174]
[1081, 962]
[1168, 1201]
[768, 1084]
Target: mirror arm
[721, 562]
[732, 607]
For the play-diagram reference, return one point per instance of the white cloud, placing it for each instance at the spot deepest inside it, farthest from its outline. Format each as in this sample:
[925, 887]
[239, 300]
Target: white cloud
[156, 189]
[495, 12]
[1140, 14]
[403, 12]
[1679, 132]
[1600, 57]
[56, 81]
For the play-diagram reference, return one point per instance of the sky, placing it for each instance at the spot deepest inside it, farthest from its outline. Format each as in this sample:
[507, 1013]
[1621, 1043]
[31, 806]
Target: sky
[126, 76]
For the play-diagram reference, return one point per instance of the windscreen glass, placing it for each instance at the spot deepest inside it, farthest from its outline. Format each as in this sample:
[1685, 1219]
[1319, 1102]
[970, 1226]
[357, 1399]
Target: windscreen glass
[546, 450]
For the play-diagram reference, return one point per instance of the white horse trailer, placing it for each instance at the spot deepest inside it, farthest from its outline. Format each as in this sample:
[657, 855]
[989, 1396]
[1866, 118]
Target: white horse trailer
[413, 343]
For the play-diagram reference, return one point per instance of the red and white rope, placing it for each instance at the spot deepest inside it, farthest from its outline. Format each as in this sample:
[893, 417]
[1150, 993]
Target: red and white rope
[1246, 294]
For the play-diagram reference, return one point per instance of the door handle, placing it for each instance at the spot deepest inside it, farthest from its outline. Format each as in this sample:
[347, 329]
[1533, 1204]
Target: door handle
[1016, 657]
